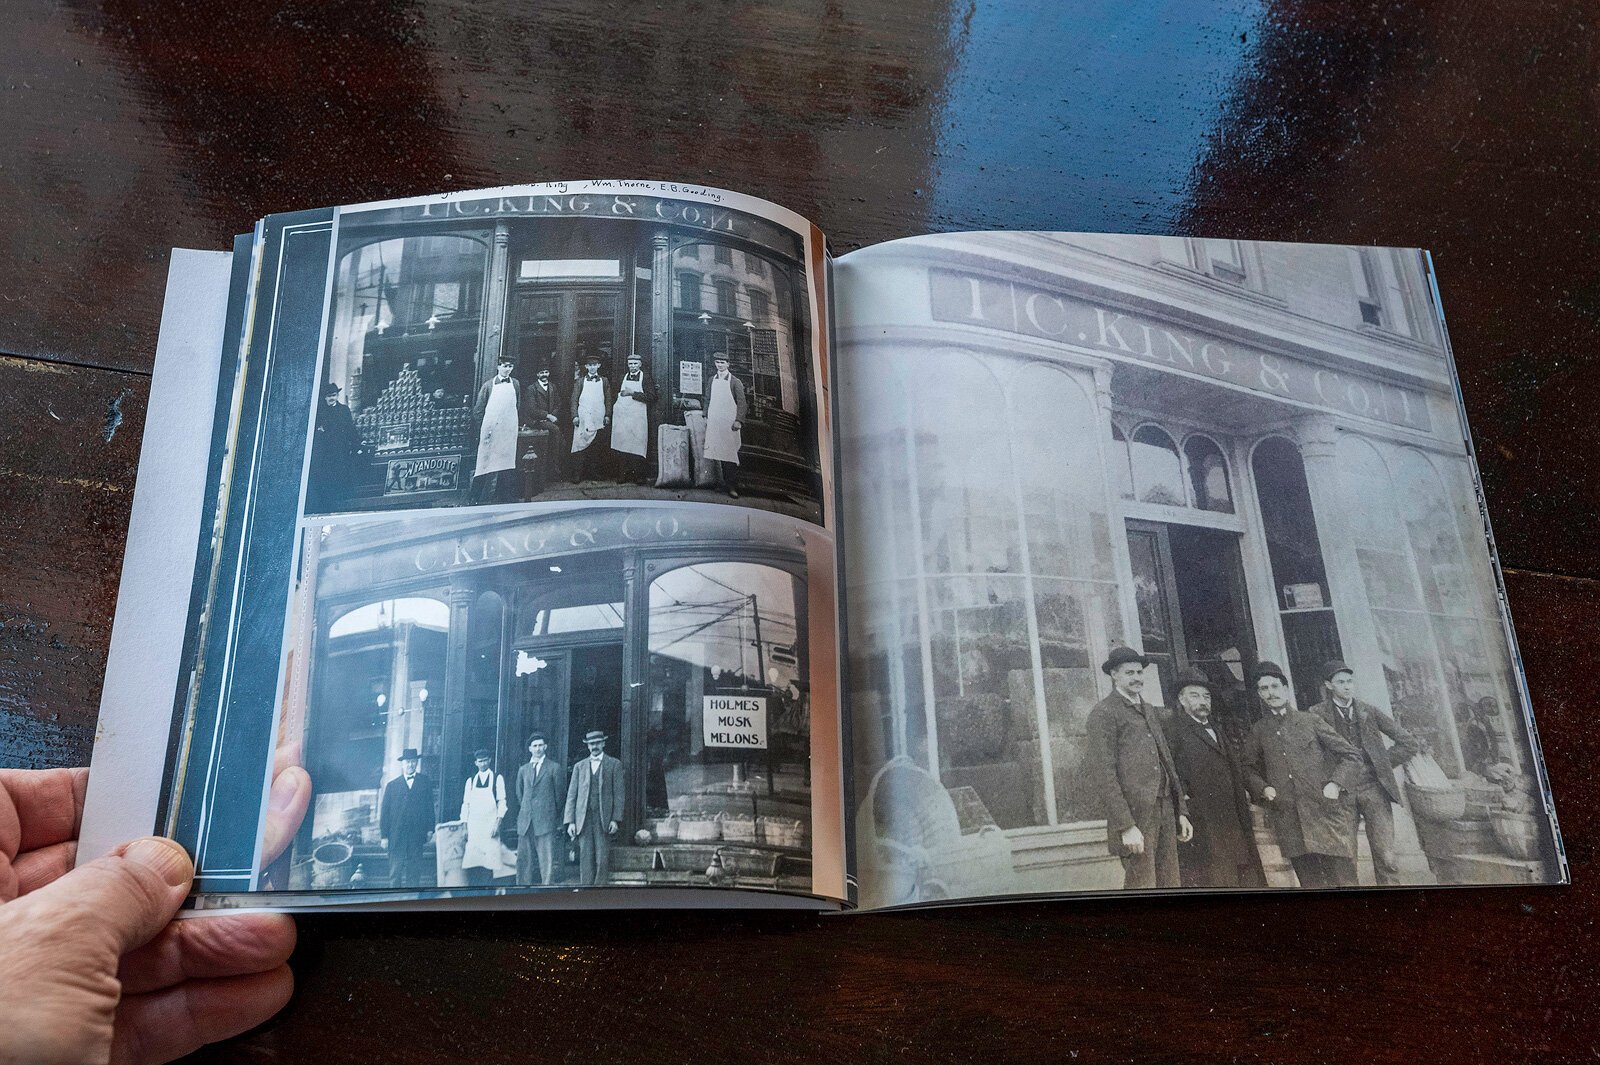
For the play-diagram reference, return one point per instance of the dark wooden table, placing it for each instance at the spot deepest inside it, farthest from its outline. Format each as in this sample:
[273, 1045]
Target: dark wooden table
[127, 128]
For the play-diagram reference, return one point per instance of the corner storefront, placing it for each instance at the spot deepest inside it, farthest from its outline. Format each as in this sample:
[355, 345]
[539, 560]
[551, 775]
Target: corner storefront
[1215, 451]
[447, 636]
[425, 298]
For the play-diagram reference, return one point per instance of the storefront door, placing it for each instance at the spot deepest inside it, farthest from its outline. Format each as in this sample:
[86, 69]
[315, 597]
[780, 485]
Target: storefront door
[563, 693]
[1193, 612]
[554, 326]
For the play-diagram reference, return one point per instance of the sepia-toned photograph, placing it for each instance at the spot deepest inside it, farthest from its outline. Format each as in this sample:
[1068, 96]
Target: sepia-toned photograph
[1166, 569]
[558, 697]
[566, 345]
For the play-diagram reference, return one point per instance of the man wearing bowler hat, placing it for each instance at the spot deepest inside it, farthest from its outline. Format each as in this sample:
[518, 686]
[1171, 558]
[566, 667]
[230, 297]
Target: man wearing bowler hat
[594, 808]
[1300, 768]
[335, 452]
[1223, 850]
[405, 822]
[1131, 768]
[1364, 726]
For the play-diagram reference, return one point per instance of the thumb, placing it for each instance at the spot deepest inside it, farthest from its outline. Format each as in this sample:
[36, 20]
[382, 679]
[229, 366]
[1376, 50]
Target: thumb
[122, 900]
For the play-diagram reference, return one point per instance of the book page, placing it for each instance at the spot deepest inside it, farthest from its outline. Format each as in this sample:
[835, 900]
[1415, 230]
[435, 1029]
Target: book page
[1165, 570]
[521, 576]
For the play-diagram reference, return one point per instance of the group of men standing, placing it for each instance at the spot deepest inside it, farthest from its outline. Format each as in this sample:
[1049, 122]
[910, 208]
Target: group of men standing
[582, 804]
[1177, 789]
[601, 420]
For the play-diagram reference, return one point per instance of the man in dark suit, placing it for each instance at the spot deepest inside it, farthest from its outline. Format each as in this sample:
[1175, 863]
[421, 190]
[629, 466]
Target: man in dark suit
[1132, 772]
[594, 808]
[543, 408]
[1300, 768]
[1223, 850]
[335, 454]
[1364, 726]
[541, 788]
[406, 822]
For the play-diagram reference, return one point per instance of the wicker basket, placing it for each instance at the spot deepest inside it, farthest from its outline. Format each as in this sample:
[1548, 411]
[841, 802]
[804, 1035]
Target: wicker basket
[1517, 834]
[1437, 804]
[1482, 800]
[782, 832]
[738, 828]
[699, 828]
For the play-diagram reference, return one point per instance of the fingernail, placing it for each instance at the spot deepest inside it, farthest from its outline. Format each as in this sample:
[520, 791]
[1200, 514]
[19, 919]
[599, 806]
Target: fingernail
[284, 790]
[164, 856]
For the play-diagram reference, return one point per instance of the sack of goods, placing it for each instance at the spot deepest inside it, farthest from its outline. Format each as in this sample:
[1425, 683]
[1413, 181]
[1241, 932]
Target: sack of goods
[1434, 796]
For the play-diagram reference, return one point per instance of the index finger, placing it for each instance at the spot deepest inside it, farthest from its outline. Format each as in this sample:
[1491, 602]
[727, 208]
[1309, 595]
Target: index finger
[39, 807]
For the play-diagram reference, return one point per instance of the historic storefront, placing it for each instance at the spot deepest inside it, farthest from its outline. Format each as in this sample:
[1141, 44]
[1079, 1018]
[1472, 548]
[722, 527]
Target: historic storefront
[427, 297]
[1216, 452]
[681, 634]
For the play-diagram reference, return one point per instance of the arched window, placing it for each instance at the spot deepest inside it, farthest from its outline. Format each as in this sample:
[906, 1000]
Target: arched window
[727, 704]
[406, 304]
[688, 291]
[377, 676]
[1208, 474]
[1157, 470]
[1384, 552]
[1298, 572]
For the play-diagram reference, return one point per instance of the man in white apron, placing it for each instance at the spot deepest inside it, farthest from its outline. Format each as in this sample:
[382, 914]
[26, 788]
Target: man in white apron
[499, 416]
[591, 405]
[725, 414]
[483, 804]
[630, 421]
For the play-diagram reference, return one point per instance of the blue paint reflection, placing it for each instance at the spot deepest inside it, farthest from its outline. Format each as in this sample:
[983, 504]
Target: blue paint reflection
[1107, 103]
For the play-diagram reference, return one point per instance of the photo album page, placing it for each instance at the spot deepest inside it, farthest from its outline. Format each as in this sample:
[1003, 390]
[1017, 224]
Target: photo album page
[1166, 569]
[517, 572]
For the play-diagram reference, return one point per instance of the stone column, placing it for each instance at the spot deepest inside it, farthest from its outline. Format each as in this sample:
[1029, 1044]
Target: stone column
[452, 720]
[1122, 562]
[632, 743]
[1319, 444]
[491, 333]
[661, 363]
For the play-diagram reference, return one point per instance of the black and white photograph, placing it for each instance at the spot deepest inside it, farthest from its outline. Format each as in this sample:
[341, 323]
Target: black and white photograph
[1166, 568]
[599, 340]
[565, 696]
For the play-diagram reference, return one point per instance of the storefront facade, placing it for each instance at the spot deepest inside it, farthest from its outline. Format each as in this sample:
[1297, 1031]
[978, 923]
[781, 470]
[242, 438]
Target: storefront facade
[1216, 452]
[426, 298]
[448, 637]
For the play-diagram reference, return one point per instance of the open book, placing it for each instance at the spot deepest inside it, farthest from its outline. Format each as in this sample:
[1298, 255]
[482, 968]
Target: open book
[608, 543]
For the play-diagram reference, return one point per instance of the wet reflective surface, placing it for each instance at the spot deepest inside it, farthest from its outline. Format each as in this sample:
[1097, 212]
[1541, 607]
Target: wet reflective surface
[129, 128]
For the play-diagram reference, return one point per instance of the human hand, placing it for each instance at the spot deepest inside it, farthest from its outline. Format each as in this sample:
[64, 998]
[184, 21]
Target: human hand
[94, 967]
[737, 425]
[611, 828]
[287, 801]
[1185, 829]
[1133, 840]
[572, 832]
[1269, 794]
[1330, 791]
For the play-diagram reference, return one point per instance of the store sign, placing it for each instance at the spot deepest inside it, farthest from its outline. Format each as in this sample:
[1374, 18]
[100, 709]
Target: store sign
[439, 473]
[735, 721]
[691, 377]
[993, 304]
[702, 214]
[1303, 597]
